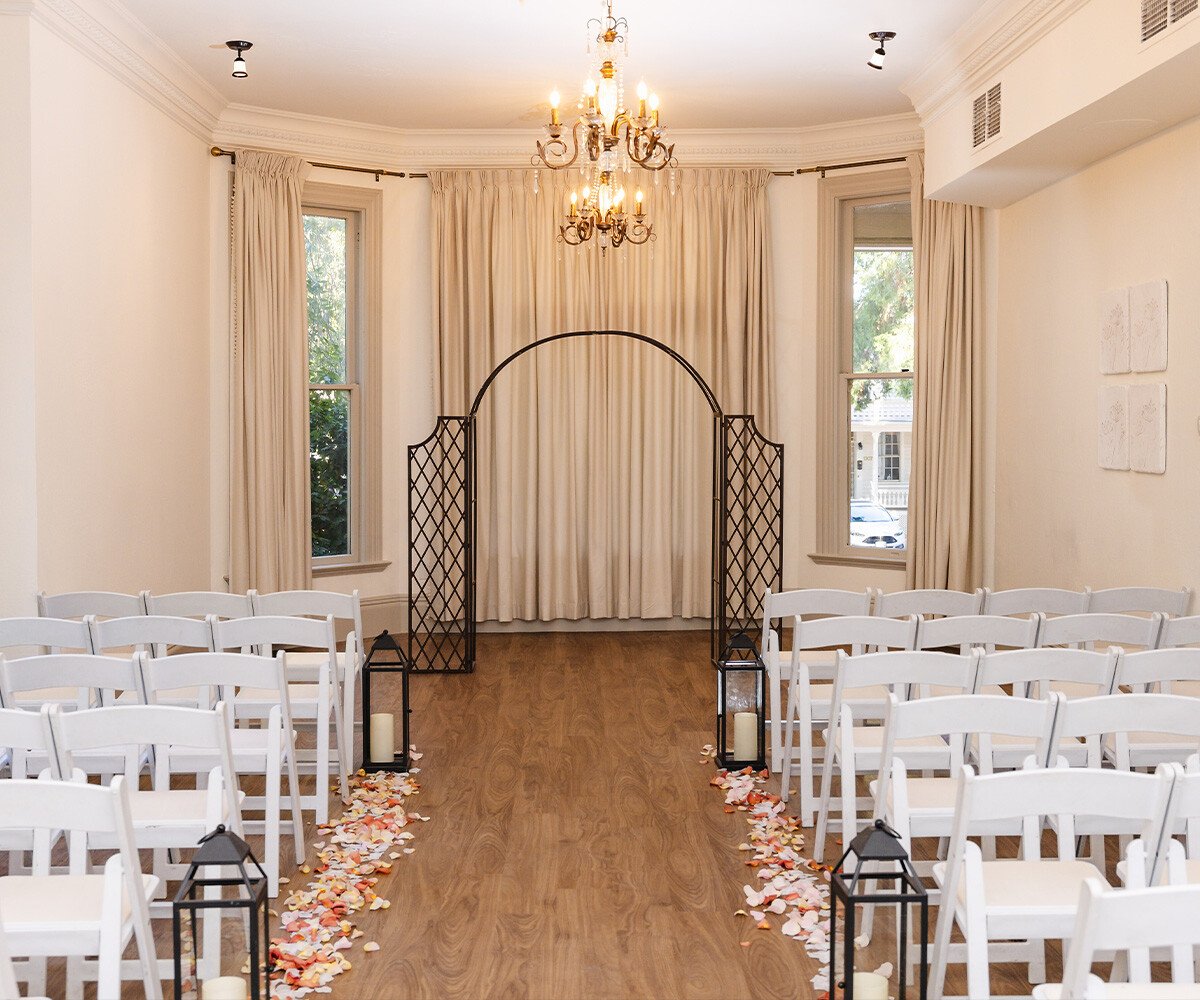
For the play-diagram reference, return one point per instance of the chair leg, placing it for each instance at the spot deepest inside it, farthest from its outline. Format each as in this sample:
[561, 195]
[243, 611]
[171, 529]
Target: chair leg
[271, 812]
[108, 970]
[298, 851]
[322, 776]
[1037, 962]
[340, 738]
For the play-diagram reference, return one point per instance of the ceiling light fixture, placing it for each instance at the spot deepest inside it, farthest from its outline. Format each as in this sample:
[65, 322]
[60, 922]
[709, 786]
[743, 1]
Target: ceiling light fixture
[239, 61]
[882, 37]
[603, 215]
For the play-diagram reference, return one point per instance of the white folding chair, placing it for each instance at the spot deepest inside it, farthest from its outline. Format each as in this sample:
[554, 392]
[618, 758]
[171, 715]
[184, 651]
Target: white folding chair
[346, 610]
[1075, 673]
[100, 603]
[200, 604]
[40, 636]
[1141, 600]
[1029, 899]
[927, 603]
[923, 807]
[988, 631]
[799, 604]
[312, 689]
[1178, 632]
[155, 635]
[855, 749]
[8, 975]
[1087, 631]
[25, 734]
[809, 703]
[1167, 671]
[87, 678]
[78, 914]
[1134, 921]
[1026, 601]
[266, 751]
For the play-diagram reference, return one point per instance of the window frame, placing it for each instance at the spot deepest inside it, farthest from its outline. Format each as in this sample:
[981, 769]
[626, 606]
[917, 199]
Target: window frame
[363, 210]
[837, 197]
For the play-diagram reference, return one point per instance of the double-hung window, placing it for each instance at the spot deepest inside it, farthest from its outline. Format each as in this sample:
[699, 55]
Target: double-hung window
[342, 299]
[868, 352]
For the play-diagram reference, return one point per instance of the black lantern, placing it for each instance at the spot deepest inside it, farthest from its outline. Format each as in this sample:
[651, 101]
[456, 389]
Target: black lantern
[385, 658]
[879, 857]
[741, 694]
[223, 859]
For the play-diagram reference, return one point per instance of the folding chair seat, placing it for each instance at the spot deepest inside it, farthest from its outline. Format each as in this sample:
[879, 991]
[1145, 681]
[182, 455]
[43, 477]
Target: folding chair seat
[78, 914]
[268, 750]
[1027, 601]
[853, 749]
[312, 691]
[1007, 908]
[809, 703]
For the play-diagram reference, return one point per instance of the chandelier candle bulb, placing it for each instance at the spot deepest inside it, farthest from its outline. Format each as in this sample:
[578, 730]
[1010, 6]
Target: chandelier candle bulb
[637, 199]
[383, 740]
[745, 736]
[641, 93]
[654, 108]
[554, 99]
[224, 988]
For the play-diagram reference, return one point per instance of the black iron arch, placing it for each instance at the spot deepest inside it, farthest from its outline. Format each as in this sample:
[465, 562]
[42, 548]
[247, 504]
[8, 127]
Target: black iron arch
[747, 524]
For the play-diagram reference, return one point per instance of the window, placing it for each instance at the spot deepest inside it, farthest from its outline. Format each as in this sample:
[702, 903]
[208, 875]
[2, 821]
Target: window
[868, 352]
[342, 294]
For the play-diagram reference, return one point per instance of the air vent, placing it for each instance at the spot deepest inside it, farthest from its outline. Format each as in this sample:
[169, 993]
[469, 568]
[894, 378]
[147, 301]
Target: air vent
[1181, 8]
[985, 119]
[1154, 18]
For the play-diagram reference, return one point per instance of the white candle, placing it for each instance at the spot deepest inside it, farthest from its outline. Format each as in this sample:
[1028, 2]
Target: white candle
[224, 988]
[745, 736]
[870, 986]
[383, 740]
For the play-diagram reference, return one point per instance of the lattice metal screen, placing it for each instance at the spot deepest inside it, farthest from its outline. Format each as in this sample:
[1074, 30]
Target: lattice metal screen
[440, 624]
[750, 551]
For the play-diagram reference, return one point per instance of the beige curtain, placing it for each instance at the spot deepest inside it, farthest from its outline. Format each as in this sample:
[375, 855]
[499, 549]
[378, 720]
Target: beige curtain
[945, 531]
[268, 384]
[595, 455]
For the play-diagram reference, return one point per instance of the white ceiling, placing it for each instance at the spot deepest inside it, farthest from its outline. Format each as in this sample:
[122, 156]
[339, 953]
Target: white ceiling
[465, 64]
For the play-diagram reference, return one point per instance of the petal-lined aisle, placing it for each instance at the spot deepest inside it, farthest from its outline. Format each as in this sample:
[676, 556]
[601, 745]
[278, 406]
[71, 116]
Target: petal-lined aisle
[353, 853]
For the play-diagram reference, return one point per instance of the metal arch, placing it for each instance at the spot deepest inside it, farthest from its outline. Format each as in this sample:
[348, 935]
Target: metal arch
[709, 396]
[747, 524]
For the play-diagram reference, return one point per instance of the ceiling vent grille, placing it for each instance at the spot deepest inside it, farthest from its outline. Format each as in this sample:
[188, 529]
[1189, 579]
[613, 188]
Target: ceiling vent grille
[1181, 8]
[985, 119]
[1154, 18]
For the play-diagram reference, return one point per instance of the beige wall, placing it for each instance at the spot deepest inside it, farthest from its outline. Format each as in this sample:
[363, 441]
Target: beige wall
[120, 278]
[1060, 519]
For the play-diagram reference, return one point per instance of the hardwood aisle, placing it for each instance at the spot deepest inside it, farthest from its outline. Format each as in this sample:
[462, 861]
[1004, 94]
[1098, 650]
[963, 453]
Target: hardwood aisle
[576, 849]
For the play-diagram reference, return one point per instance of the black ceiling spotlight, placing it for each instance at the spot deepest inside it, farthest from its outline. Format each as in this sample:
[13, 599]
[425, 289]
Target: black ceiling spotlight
[882, 37]
[239, 61]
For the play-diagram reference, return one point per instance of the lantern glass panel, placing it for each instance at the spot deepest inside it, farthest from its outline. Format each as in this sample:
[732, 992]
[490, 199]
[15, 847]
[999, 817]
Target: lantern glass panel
[742, 711]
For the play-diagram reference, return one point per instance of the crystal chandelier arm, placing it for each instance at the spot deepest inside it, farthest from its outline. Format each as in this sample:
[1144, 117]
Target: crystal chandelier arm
[647, 150]
[552, 151]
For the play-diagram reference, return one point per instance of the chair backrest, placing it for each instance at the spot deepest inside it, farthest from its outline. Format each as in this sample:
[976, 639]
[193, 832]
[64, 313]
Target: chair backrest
[223, 671]
[106, 674]
[966, 631]
[1120, 714]
[312, 604]
[1105, 629]
[1180, 632]
[1141, 600]
[1185, 812]
[101, 603]
[1035, 600]
[267, 631]
[49, 635]
[1159, 667]
[154, 633]
[1030, 670]
[944, 603]
[904, 669]
[1133, 920]
[856, 631]
[810, 603]
[200, 604]
[29, 732]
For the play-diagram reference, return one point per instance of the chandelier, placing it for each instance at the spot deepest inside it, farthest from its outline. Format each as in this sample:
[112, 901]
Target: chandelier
[603, 216]
[604, 127]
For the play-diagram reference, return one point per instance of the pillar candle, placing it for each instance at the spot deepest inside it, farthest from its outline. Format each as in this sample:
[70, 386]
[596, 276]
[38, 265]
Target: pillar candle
[224, 988]
[745, 736]
[870, 986]
[383, 740]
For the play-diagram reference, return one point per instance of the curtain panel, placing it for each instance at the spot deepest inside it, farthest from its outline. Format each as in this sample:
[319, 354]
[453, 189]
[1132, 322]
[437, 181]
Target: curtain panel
[945, 517]
[269, 522]
[595, 455]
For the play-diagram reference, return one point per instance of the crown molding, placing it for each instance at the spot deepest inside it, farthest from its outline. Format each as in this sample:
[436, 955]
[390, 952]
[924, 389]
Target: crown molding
[991, 39]
[109, 35]
[362, 144]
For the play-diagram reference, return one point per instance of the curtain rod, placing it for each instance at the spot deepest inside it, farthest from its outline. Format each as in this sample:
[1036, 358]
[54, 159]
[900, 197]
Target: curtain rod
[378, 172]
[847, 166]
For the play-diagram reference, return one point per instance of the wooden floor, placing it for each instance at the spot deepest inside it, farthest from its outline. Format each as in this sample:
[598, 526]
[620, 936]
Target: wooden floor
[576, 849]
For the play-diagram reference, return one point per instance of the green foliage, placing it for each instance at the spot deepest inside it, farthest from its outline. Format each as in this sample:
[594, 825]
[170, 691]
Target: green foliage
[328, 410]
[884, 298]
